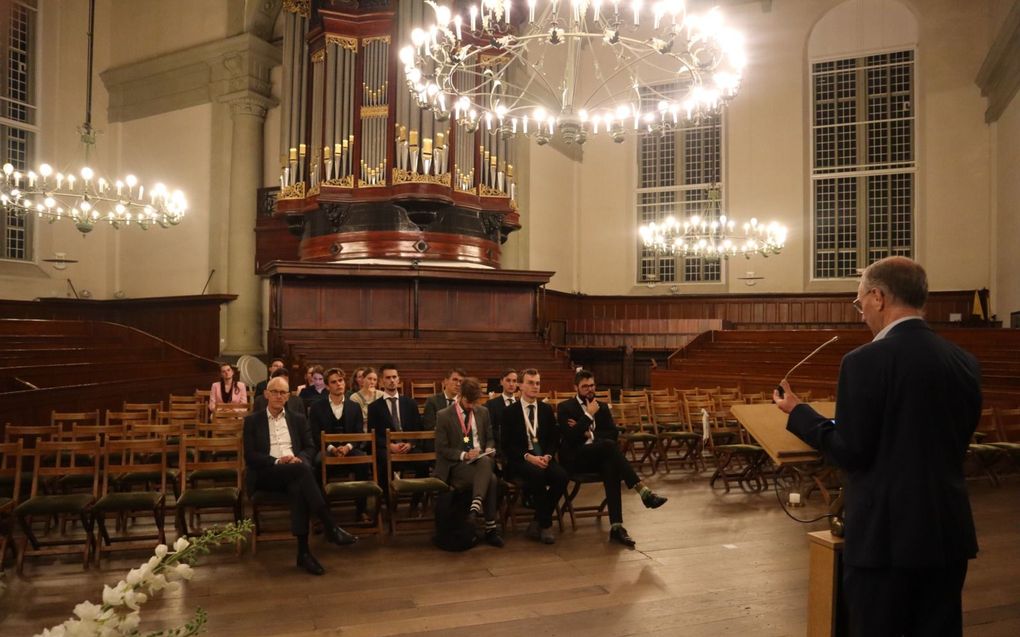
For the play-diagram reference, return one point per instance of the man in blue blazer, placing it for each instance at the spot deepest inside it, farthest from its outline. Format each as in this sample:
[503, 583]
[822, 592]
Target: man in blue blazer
[279, 455]
[907, 405]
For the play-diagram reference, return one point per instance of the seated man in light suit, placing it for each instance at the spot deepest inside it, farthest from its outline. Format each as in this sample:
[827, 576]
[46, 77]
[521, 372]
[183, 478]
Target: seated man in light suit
[463, 434]
[279, 454]
[443, 399]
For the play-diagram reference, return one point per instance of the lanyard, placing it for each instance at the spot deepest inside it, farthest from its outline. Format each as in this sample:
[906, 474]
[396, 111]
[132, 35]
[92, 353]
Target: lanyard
[464, 427]
[532, 427]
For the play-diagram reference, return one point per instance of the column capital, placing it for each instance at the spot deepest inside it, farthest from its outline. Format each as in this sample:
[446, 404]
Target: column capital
[248, 103]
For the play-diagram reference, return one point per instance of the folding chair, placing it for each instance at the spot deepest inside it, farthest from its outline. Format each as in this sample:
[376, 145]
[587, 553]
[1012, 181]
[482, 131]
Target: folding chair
[675, 432]
[10, 492]
[127, 417]
[149, 408]
[635, 437]
[67, 419]
[420, 392]
[338, 487]
[418, 485]
[128, 463]
[209, 454]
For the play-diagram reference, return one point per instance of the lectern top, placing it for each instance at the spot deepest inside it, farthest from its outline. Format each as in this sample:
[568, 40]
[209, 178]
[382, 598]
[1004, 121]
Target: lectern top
[768, 426]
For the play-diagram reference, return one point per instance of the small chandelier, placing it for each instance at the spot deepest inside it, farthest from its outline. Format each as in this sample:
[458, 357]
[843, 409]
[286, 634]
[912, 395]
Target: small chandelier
[713, 235]
[495, 66]
[84, 198]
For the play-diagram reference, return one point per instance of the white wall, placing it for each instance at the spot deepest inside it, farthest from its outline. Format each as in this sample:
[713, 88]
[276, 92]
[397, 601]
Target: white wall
[1006, 237]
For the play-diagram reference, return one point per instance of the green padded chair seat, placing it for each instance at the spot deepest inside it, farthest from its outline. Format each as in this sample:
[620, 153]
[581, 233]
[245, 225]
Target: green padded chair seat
[147, 476]
[213, 474]
[419, 485]
[269, 497]
[638, 437]
[990, 449]
[680, 435]
[53, 504]
[209, 497]
[740, 448]
[7, 482]
[129, 501]
[354, 489]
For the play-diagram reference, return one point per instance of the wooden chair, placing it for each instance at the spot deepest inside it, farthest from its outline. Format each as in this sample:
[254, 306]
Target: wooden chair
[127, 417]
[126, 464]
[735, 391]
[198, 453]
[421, 391]
[149, 408]
[563, 395]
[201, 401]
[554, 402]
[178, 402]
[636, 436]
[658, 394]
[337, 485]
[67, 419]
[227, 412]
[542, 396]
[54, 461]
[604, 396]
[1008, 423]
[419, 485]
[982, 451]
[574, 483]
[11, 456]
[171, 435]
[734, 460]
[28, 436]
[676, 435]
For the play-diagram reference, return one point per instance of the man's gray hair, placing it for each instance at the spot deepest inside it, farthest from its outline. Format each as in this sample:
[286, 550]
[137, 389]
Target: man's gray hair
[899, 277]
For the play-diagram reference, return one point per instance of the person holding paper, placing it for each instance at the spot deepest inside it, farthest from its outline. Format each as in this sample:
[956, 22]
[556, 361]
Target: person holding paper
[464, 454]
[907, 405]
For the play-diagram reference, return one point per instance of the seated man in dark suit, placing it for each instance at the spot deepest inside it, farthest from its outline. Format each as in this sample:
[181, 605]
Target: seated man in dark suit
[443, 399]
[279, 453]
[334, 415]
[530, 439]
[399, 413]
[589, 445]
[497, 405]
[294, 404]
[463, 434]
[274, 364]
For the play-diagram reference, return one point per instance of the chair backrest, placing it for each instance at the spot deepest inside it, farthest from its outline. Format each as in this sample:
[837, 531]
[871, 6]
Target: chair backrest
[125, 417]
[346, 461]
[29, 435]
[11, 455]
[134, 456]
[554, 402]
[541, 396]
[150, 408]
[736, 391]
[198, 453]
[563, 395]
[693, 406]
[1009, 424]
[178, 417]
[177, 402]
[66, 419]
[202, 403]
[659, 393]
[159, 430]
[55, 459]
[230, 429]
[667, 412]
[421, 391]
[603, 395]
[627, 415]
[403, 458]
[99, 433]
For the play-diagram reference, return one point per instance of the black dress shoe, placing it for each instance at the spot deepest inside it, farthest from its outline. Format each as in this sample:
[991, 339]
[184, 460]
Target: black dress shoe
[308, 562]
[338, 536]
[620, 536]
[493, 538]
[654, 501]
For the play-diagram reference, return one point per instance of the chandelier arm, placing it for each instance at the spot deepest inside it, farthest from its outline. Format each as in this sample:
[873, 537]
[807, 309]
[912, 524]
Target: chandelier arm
[614, 74]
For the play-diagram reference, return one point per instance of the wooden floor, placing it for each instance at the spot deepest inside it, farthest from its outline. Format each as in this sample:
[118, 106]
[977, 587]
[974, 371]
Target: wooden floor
[707, 563]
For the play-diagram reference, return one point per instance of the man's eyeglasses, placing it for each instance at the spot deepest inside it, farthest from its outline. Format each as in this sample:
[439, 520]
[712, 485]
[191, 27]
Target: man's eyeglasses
[857, 306]
[278, 392]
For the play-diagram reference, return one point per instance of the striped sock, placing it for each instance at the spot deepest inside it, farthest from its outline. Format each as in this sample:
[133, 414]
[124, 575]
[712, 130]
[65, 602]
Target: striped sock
[490, 525]
[476, 505]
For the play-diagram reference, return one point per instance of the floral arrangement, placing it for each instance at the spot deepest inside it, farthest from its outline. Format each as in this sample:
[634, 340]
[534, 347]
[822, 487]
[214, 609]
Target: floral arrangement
[119, 613]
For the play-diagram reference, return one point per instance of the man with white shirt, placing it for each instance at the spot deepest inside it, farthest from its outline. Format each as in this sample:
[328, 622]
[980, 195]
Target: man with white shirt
[908, 404]
[464, 450]
[530, 440]
[589, 445]
[279, 455]
[398, 413]
[335, 416]
[443, 399]
[497, 405]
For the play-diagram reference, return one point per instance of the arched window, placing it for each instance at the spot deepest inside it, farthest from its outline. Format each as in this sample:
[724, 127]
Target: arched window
[861, 56]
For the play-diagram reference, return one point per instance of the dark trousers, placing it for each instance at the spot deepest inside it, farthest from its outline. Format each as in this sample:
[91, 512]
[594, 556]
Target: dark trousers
[545, 485]
[605, 458]
[895, 602]
[478, 478]
[303, 493]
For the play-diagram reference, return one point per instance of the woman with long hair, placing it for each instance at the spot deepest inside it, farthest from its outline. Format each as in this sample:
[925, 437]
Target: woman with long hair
[367, 393]
[228, 389]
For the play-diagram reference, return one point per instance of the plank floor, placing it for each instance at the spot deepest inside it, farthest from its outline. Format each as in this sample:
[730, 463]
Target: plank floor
[707, 563]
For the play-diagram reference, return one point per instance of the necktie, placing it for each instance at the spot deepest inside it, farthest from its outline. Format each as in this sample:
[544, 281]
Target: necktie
[395, 412]
[449, 401]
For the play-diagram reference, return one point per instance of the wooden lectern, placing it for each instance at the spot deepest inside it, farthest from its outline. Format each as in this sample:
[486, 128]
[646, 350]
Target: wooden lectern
[768, 426]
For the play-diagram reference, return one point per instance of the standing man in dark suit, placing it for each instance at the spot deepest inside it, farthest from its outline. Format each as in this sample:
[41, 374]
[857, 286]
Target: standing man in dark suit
[907, 405]
[530, 441]
[463, 435]
[443, 399]
[279, 454]
[589, 445]
[499, 404]
[396, 412]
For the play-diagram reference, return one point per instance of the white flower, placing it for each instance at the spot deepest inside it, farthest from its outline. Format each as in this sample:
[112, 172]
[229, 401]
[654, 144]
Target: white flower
[87, 611]
[173, 587]
[184, 571]
[157, 583]
[161, 551]
[130, 622]
[114, 596]
[181, 544]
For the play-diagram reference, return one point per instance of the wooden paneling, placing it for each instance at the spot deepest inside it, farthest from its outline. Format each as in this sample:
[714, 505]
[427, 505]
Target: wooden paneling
[189, 322]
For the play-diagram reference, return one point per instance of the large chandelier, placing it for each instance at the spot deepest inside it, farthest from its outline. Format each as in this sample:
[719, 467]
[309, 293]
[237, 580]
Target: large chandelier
[713, 235]
[577, 66]
[83, 197]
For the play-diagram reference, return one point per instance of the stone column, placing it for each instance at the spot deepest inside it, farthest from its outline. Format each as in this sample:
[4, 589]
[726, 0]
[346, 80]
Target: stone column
[244, 315]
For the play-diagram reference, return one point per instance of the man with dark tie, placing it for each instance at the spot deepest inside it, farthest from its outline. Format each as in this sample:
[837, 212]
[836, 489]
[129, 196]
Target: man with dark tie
[396, 412]
[497, 405]
[589, 445]
[908, 403]
[279, 455]
[464, 449]
[444, 398]
[530, 439]
[335, 416]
